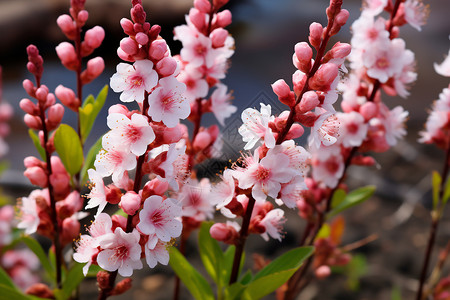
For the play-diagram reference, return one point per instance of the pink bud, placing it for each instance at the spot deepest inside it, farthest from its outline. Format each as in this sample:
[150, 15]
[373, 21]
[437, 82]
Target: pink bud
[154, 32]
[41, 93]
[223, 18]
[82, 18]
[67, 97]
[92, 40]
[309, 101]
[368, 110]
[218, 37]
[57, 165]
[118, 221]
[130, 202]
[138, 14]
[155, 187]
[127, 26]
[124, 56]
[322, 272]
[67, 26]
[141, 38]
[342, 17]
[95, 67]
[166, 66]
[284, 93]
[303, 53]
[201, 141]
[296, 131]
[203, 6]
[29, 87]
[197, 18]
[37, 176]
[339, 50]
[70, 230]
[118, 108]
[32, 122]
[315, 34]
[67, 55]
[158, 49]
[223, 232]
[299, 80]
[113, 194]
[324, 76]
[29, 107]
[70, 205]
[31, 161]
[54, 116]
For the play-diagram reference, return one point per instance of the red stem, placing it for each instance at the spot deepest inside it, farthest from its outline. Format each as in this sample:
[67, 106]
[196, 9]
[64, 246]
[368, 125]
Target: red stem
[53, 213]
[434, 227]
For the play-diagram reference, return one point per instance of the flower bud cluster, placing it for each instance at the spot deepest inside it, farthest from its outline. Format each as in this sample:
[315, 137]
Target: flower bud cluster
[35, 211]
[71, 54]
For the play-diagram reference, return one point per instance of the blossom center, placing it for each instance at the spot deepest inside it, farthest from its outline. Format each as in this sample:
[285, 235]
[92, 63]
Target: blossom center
[262, 173]
[136, 81]
[382, 63]
[332, 166]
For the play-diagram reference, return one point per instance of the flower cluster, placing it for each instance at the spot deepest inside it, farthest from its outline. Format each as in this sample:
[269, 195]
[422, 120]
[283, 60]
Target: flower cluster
[278, 167]
[6, 113]
[146, 141]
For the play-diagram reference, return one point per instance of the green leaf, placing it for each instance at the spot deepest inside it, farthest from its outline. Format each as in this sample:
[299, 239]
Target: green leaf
[276, 273]
[246, 278]
[5, 279]
[210, 252]
[436, 183]
[93, 270]
[72, 280]
[338, 197]
[67, 144]
[194, 281]
[37, 143]
[9, 293]
[37, 249]
[446, 192]
[353, 198]
[228, 258]
[292, 259]
[234, 291]
[90, 159]
[324, 232]
[89, 111]
[353, 271]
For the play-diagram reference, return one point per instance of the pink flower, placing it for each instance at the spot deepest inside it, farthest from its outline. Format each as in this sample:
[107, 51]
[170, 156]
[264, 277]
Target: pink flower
[196, 86]
[256, 127]
[220, 104]
[416, 13]
[156, 251]
[224, 191]
[266, 176]
[167, 103]
[273, 222]
[135, 134]
[121, 251]
[194, 197]
[328, 165]
[6, 223]
[86, 250]
[175, 165]
[325, 129]
[367, 32]
[352, 130]
[28, 215]
[134, 80]
[393, 122]
[383, 63]
[374, 6]
[114, 162]
[158, 217]
[197, 48]
[97, 196]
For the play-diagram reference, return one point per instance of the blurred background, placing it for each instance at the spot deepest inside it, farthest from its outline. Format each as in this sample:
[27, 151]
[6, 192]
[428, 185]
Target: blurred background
[265, 32]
